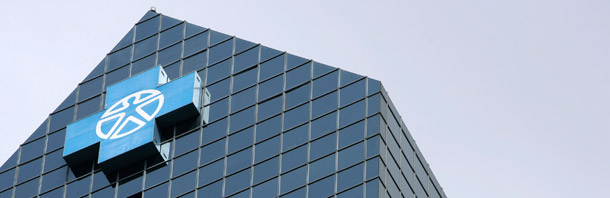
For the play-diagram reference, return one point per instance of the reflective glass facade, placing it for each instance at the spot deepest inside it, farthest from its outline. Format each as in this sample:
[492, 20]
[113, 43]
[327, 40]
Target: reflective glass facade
[279, 126]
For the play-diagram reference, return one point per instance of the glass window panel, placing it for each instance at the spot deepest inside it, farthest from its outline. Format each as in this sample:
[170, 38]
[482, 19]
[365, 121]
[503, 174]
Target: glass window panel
[352, 193]
[242, 194]
[267, 149]
[322, 188]
[219, 71]
[323, 125]
[213, 151]
[167, 22]
[89, 89]
[145, 47]
[351, 155]
[119, 58]
[266, 170]
[294, 61]
[99, 181]
[192, 29]
[352, 113]
[352, 93]
[220, 89]
[268, 128]
[267, 189]
[294, 158]
[324, 104]
[270, 107]
[296, 116]
[216, 37]
[293, 179]
[32, 150]
[214, 131]
[128, 187]
[29, 170]
[117, 75]
[196, 43]
[372, 125]
[241, 45]
[243, 99]
[54, 160]
[245, 79]
[374, 103]
[348, 77]
[147, 28]
[212, 190]
[184, 184]
[194, 63]
[272, 67]
[173, 70]
[372, 168]
[242, 119]
[171, 36]
[88, 107]
[374, 86]
[79, 187]
[295, 137]
[351, 134]
[271, 87]
[325, 84]
[237, 182]
[157, 175]
[372, 146]
[221, 51]
[320, 69]
[300, 193]
[211, 172]
[25, 189]
[297, 96]
[267, 53]
[323, 146]
[322, 168]
[170, 54]
[219, 109]
[241, 140]
[7, 178]
[158, 191]
[56, 193]
[297, 76]
[239, 161]
[126, 40]
[140, 65]
[245, 60]
[53, 179]
[186, 143]
[349, 177]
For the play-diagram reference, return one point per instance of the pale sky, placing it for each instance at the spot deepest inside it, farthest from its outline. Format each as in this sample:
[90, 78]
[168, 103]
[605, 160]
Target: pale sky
[505, 98]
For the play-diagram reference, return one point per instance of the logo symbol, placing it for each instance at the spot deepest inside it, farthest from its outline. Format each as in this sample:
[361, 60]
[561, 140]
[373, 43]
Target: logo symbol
[115, 115]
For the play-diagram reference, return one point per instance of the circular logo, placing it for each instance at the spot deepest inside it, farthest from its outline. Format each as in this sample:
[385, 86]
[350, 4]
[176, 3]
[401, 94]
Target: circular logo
[119, 120]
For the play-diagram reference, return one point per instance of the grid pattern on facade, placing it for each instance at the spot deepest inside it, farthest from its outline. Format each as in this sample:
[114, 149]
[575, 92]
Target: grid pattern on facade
[279, 125]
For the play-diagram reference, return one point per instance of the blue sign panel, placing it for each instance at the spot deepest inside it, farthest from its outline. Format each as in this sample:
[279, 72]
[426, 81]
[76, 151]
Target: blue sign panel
[127, 130]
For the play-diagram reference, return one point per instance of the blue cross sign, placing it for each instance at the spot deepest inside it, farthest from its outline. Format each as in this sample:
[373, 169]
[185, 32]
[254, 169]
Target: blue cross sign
[126, 131]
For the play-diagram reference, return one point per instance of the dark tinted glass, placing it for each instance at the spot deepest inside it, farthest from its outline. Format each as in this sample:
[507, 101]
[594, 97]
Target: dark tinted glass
[242, 119]
[267, 53]
[245, 79]
[212, 190]
[145, 47]
[214, 131]
[26, 189]
[219, 109]
[221, 51]
[7, 179]
[54, 160]
[216, 37]
[351, 155]
[192, 29]
[266, 170]
[171, 36]
[184, 184]
[294, 158]
[170, 54]
[237, 182]
[143, 64]
[212, 151]
[219, 71]
[239, 161]
[157, 175]
[270, 88]
[272, 67]
[270, 107]
[322, 188]
[89, 89]
[241, 139]
[295, 137]
[296, 116]
[323, 146]
[147, 28]
[349, 177]
[324, 104]
[348, 77]
[211, 172]
[294, 61]
[241, 45]
[267, 189]
[173, 70]
[298, 76]
[243, 99]
[32, 150]
[297, 96]
[322, 168]
[352, 93]
[267, 149]
[89, 107]
[293, 179]
[61, 119]
[186, 143]
[352, 193]
[160, 191]
[220, 89]
[196, 43]
[268, 128]
[352, 113]
[245, 60]
[321, 69]
[185, 163]
[119, 58]
[351, 134]
[117, 75]
[323, 125]
[194, 63]
[167, 22]
[325, 84]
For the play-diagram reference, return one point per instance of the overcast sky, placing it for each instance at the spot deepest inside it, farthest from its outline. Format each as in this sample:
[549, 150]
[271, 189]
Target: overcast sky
[505, 98]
